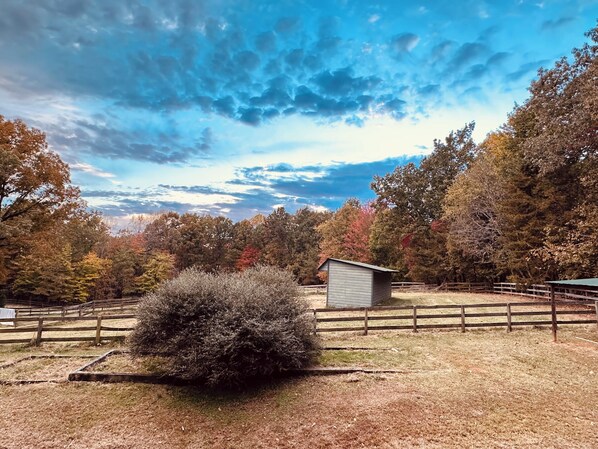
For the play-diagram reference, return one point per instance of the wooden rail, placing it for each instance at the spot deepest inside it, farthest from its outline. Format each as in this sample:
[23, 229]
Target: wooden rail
[543, 291]
[88, 308]
[41, 325]
[453, 316]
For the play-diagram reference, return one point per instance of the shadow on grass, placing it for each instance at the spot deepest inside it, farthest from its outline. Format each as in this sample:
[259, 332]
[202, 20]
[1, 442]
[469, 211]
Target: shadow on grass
[226, 404]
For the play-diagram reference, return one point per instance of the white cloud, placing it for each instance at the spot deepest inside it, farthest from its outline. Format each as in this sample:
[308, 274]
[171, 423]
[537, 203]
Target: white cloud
[90, 169]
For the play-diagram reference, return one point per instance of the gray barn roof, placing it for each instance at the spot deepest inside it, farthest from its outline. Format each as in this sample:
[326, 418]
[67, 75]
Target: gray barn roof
[358, 264]
[590, 282]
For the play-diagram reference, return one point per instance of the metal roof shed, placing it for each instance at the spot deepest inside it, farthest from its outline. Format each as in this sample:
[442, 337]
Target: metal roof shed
[356, 284]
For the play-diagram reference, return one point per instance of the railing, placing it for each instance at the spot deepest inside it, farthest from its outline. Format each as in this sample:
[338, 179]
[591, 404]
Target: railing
[461, 316]
[465, 287]
[83, 309]
[52, 324]
[543, 291]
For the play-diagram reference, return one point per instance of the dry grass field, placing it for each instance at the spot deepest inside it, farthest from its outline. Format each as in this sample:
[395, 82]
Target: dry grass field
[480, 389]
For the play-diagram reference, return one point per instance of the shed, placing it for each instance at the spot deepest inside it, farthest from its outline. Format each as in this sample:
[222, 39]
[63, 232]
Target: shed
[356, 284]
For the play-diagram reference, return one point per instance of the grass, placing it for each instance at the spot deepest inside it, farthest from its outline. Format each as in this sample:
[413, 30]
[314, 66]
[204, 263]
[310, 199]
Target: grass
[481, 388]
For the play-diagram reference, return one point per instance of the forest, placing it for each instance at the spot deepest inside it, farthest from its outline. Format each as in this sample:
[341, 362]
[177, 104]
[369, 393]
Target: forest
[522, 206]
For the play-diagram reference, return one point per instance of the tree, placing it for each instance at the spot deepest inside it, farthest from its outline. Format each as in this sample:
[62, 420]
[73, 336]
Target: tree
[411, 199]
[205, 242]
[278, 238]
[34, 182]
[305, 245]
[87, 276]
[248, 258]
[334, 231]
[158, 268]
[46, 273]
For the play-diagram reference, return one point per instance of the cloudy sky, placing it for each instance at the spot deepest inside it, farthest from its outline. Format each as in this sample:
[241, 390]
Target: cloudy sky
[234, 107]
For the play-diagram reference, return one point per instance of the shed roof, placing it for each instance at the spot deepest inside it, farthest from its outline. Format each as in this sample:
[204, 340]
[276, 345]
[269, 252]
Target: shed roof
[358, 264]
[590, 282]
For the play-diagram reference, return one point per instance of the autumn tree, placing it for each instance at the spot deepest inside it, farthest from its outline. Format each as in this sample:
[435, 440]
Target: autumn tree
[34, 181]
[158, 268]
[415, 195]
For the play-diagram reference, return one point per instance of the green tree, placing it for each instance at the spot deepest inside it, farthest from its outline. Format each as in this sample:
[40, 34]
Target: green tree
[88, 273]
[158, 268]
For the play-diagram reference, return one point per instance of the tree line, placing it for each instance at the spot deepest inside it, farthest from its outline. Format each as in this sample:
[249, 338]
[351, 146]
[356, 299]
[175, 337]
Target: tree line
[522, 206]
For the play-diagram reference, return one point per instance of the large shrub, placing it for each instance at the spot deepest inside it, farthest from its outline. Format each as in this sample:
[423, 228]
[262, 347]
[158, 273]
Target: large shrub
[225, 330]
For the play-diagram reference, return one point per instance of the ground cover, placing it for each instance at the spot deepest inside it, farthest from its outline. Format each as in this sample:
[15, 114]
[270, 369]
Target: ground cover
[484, 388]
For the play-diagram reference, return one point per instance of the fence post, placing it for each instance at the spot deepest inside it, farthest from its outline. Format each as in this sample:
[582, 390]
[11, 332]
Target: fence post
[99, 330]
[595, 305]
[462, 318]
[414, 318]
[509, 324]
[365, 322]
[40, 328]
[63, 311]
[553, 312]
[16, 317]
[315, 322]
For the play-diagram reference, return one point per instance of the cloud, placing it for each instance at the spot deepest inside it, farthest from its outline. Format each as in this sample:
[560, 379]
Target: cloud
[551, 25]
[90, 169]
[286, 25]
[466, 54]
[342, 83]
[404, 43]
[104, 140]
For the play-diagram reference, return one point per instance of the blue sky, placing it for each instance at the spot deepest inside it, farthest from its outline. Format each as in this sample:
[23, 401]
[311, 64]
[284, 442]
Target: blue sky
[236, 107]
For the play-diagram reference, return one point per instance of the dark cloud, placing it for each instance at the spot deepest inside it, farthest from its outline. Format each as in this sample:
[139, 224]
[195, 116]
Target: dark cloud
[106, 141]
[265, 42]
[525, 69]
[466, 54]
[287, 25]
[498, 59]
[341, 82]
[404, 43]
[250, 116]
[247, 60]
[550, 25]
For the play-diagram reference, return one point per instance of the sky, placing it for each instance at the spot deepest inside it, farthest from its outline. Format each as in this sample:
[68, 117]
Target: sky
[234, 107]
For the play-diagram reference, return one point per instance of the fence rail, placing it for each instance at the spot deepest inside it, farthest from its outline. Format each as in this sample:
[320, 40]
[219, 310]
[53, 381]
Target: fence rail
[461, 316]
[543, 291]
[50, 325]
[83, 309]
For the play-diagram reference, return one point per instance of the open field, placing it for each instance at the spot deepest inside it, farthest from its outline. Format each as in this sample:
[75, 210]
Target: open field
[484, 388]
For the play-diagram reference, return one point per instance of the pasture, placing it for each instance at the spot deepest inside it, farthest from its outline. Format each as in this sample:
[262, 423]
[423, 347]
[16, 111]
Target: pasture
[481, 388]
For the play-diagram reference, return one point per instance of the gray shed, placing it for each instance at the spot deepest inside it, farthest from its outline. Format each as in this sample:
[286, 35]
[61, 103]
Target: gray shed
[355, 284]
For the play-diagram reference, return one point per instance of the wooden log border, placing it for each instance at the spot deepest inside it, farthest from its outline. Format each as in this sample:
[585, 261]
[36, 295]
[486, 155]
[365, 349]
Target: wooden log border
[82, 375]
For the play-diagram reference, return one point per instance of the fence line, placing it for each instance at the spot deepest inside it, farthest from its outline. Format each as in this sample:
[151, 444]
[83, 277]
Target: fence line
[49, 324]
[416, 317]
[87, 308]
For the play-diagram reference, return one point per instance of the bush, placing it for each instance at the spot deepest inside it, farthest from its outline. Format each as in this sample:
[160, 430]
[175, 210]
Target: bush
[226, 330]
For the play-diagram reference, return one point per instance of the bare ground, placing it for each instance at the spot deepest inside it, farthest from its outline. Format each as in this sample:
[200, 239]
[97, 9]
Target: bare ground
[480, 389]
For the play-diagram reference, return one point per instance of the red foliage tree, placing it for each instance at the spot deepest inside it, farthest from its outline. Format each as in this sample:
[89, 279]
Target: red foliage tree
[248, 258]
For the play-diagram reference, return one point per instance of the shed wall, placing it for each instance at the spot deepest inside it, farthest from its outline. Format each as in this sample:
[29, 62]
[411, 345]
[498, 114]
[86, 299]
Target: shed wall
[382, 287]
[348, 286]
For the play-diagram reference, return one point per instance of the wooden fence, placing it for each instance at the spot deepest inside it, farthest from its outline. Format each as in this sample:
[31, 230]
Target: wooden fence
[451, 316]
[543, 291]
[83, 309]
[37, 326]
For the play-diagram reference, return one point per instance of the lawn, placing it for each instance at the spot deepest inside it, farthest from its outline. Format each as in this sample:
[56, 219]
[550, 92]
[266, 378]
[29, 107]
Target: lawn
[483, 388]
